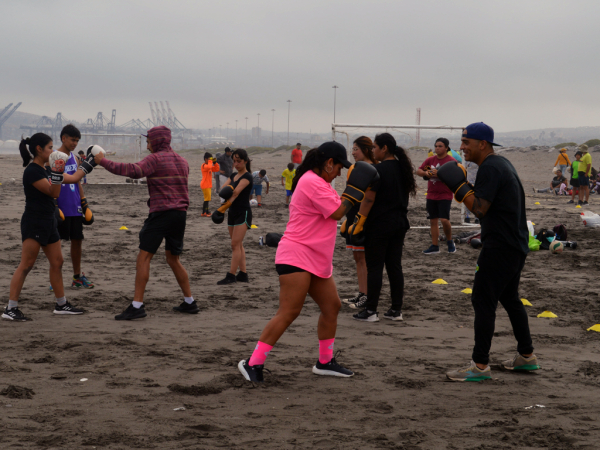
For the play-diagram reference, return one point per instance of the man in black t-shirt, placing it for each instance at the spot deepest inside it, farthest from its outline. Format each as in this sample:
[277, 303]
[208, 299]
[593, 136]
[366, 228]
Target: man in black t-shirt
[498, 201]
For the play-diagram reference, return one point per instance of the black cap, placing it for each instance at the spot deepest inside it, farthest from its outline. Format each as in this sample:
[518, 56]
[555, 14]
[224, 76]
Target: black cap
[336, 151]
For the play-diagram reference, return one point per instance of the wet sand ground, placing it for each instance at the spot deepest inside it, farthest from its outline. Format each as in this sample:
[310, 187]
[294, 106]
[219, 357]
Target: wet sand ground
[141, 374]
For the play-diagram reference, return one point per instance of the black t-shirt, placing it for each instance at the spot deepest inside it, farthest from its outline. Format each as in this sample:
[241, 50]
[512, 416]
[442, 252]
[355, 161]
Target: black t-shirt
[505, 224]
[390, 208]
[242, 202]
[556, 182]
[37, 204]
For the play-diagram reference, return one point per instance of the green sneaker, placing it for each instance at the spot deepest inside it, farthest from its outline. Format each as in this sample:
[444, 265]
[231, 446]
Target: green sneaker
[471, 373]
[520, 362]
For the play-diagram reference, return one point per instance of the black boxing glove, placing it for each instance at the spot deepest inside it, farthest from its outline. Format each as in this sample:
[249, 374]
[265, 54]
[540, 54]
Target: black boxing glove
[361, 176]
[454, 175]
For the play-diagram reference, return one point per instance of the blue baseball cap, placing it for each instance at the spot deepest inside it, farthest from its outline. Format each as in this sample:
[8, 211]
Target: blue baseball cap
[481, 132]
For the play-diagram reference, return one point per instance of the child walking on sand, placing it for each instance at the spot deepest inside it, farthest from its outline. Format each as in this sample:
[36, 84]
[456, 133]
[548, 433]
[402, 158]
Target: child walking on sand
[208, 168]
[288, 175]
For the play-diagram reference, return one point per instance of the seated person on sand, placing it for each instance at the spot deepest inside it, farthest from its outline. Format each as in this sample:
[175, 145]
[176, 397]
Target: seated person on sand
[558, 185]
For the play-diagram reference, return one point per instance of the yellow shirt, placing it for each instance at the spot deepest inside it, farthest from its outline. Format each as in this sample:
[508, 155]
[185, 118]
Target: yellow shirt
[585, 163]
[289, 178]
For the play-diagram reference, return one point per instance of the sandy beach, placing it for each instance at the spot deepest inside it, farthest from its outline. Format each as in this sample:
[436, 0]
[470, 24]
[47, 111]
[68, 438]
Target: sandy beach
[170, 381]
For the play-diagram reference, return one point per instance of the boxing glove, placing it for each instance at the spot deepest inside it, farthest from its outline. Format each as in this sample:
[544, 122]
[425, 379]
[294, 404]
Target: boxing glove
[219, 215]
[226, 192]
[88, 164]
[356, 232]
[60, 217]
[454, 175]
[86, 212]
[344, 229]
[57, 162]
[361, 176]
[426, 169]
[93, 150]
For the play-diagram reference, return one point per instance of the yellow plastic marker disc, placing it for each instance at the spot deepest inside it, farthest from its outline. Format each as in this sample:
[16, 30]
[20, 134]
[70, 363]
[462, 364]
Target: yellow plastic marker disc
[532, 223]
[253, 226]
[578, 206]
[439, 281]
[526, 302]
[536, 203]
[123, 228]
[547, 314]
[595, 328]
[467, 291]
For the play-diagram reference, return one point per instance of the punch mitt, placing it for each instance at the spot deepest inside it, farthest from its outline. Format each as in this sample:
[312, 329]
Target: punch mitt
[426, 169]
[86, 212]
[57, 162]
[359, 179]
[454, 175]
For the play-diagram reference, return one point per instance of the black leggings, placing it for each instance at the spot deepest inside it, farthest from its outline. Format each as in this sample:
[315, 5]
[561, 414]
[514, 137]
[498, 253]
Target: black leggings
[497, 280]
[380, 249]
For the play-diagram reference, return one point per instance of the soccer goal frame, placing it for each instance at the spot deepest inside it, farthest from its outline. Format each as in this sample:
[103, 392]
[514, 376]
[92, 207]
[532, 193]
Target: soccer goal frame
[338, 128]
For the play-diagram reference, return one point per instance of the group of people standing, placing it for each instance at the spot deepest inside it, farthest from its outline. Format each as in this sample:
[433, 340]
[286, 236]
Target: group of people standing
[374, 202]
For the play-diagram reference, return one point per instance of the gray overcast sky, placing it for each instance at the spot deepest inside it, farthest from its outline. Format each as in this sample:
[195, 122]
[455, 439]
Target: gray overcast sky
[515, 64]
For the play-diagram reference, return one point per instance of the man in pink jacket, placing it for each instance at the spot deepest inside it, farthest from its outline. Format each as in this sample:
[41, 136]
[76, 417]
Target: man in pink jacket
[167, 175]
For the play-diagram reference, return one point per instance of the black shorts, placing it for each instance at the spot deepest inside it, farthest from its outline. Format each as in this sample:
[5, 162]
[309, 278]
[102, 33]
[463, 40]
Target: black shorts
[438, 209]
[167, 225]
[286, 269]
[42, 230]
[583, 179]
[71, 228]
[243, 217]
[575, 182]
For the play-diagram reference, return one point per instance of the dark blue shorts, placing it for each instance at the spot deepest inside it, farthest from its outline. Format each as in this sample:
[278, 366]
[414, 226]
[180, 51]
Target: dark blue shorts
[256, 189]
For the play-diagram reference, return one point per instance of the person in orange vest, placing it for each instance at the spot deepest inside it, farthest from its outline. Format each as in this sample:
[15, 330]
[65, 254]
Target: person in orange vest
[562, 161]
[208, 168]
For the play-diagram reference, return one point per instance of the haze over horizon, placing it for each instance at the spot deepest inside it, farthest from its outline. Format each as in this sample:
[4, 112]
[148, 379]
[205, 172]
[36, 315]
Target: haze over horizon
[514, 65]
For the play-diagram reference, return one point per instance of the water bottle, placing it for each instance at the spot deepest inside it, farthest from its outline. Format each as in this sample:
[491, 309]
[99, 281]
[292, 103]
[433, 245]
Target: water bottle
[261, 241]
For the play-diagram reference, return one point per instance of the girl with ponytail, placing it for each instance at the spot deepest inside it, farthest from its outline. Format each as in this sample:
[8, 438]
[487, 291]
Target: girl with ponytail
[38, 224]
[362, 150]
[384, 212]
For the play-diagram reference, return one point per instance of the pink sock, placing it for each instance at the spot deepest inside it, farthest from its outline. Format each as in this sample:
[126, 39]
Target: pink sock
[260, 354]
[326, 350]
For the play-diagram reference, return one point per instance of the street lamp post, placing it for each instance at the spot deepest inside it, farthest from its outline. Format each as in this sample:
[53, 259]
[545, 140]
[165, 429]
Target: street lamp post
[246, 138]
[273, 129]
[335, 88]
[288, 138]
[258, 131]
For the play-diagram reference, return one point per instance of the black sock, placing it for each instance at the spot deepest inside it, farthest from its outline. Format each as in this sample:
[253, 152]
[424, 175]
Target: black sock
[205, 207]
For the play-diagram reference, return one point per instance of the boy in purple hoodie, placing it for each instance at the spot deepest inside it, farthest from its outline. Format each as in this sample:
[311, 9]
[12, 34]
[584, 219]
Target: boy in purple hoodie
[167, 175]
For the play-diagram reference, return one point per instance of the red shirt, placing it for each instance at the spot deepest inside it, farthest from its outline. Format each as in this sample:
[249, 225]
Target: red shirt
[297, 156]
[436, 190]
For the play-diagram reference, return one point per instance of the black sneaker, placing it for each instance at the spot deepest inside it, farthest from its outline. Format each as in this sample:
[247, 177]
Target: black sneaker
[584, 203]
[229, 279]
[580, 203]
[67, 308]
[14, 314]
[185, 307]
[360, 303]
[332, 368]
[132, 313]
[242, 277]
[570, 201]
[367, 316]
[251, 373]
[393, 315]
[354, 299]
